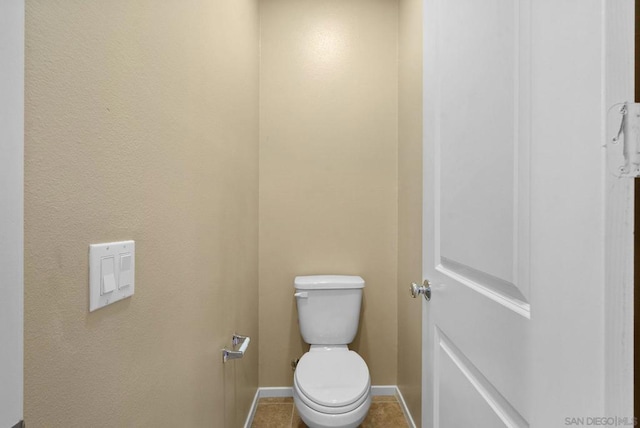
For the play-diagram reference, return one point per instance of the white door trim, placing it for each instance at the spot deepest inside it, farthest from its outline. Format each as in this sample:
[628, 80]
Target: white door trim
[618, 57]
[11, 210]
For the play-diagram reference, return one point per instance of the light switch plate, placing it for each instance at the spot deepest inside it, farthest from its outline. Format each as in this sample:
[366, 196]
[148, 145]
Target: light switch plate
[111, 273]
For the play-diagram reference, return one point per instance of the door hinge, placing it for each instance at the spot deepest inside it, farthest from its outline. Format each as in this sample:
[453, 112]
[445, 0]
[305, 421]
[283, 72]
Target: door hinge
[623, 150]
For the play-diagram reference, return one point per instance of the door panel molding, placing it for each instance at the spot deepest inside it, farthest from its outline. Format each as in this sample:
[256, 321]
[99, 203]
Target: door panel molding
[511, 292]
[496, 289]
[485, 389]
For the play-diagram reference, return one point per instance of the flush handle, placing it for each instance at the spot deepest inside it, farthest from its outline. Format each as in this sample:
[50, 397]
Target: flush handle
[424, 289]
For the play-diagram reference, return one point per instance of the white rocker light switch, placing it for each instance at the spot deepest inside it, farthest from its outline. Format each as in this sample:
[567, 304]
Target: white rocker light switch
[108, 275]
[111, 273]
[125, 270]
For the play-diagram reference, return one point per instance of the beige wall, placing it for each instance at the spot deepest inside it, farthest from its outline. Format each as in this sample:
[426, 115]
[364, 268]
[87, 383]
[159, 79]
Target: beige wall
[328, 159]
[410, 202]
[141, 123]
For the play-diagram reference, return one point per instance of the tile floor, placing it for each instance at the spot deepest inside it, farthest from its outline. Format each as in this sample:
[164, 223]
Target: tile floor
[385, 412]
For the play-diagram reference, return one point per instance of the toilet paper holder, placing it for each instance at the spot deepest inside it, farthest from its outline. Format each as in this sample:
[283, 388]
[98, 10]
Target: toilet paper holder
[239, 344]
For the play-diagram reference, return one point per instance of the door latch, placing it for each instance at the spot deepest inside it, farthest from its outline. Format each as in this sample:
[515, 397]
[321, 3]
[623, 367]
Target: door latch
[623, 150]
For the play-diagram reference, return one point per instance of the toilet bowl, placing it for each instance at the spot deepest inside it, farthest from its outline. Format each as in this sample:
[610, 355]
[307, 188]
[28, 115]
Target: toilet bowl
[331, 385]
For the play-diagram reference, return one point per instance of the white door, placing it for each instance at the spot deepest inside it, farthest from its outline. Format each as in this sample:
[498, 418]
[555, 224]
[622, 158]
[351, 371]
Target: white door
[517, 211]
[11, 230]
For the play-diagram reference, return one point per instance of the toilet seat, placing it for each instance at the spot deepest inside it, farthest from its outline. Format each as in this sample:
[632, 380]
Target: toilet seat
[308, 402]
[332, 381]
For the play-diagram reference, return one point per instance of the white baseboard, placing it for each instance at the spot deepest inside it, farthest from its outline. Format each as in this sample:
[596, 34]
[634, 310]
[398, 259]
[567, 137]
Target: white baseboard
[383, 390]
[405, 409]
[276, 391]
[252, 409]
[287, 391]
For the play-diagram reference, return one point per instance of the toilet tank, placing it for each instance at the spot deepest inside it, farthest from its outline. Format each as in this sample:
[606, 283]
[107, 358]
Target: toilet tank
[328, 308]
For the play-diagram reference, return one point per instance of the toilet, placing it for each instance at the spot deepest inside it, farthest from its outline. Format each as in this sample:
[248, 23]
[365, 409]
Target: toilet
[331, 384]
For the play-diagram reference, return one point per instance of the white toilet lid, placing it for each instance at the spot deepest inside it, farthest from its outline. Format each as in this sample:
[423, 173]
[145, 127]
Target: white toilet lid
[333, 379]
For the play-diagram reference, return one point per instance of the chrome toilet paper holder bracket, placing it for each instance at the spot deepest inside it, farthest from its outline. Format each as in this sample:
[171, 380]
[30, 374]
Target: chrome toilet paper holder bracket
[239, 344]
